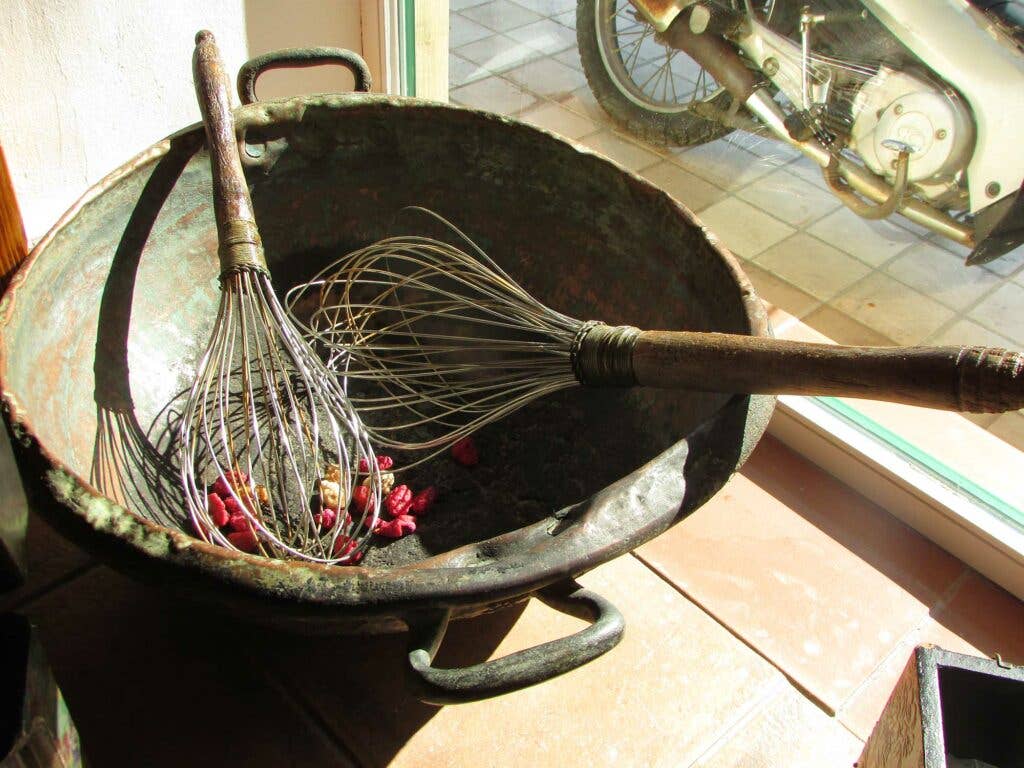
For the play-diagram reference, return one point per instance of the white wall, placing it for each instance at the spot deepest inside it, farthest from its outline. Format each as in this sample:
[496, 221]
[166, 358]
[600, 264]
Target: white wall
[86, 84]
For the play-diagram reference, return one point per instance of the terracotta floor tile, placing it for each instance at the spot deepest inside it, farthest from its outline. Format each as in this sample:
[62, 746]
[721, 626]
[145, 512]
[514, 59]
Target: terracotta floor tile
[662, 697]
[987, 617]
[861, 711]
[157, 682]
[49, 558]
[788, 731]
[819, 580]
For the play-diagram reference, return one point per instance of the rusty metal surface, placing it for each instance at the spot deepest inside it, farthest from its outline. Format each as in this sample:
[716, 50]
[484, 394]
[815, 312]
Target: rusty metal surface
[101, 331]
[661, 13]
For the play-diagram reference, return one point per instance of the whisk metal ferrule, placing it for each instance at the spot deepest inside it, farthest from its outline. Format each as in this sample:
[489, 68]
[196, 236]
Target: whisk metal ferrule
[241, 248]
[602, 355]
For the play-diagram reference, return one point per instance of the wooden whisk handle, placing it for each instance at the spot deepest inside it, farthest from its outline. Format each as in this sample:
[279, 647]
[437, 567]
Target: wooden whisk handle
[971, 379]
[240, 244]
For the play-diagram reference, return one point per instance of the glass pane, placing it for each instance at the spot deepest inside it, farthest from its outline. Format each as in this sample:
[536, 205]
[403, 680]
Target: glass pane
[600, 75]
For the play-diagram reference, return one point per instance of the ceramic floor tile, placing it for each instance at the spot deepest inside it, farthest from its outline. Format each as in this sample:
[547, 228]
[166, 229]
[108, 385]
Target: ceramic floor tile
[153, 681]
[723, 164]
[1001, 311]
[861, 712]
[545, 35]
[498, 53]
[692, 191]
[582, 102]
[1008, 265]
[549, 7]
[566, 19]
[462, 71]
[462, 31]
[965, 332]
[548, 77]
[493, 94]
[893, 309]
[873, 242]
[789, 198]
[808, 170]
[819, 269]
[501, 15]
[459, 5]
[570, 57]
[623, 151]
[788, 732]
[939, 274]
[778, 293]
[775, 152]
[987, 617]
[843, 329]
[742, 228]
[1009, 427]
[822, 582]
[558, 119]
[676, 682]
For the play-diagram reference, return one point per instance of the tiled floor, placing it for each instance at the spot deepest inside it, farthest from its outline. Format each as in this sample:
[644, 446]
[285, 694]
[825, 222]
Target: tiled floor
[855, 280]
[767, 629]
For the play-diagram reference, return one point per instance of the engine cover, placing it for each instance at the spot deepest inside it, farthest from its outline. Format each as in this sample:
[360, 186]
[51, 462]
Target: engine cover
[934, 122]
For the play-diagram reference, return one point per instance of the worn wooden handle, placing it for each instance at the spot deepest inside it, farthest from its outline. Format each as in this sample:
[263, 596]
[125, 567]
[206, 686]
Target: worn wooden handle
[972, 379]
[240, 245]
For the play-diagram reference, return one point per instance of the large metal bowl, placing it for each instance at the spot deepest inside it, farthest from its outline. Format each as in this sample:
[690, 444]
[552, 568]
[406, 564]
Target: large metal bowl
[101, 330]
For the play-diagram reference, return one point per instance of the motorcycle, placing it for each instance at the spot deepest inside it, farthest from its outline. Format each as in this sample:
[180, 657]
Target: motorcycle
[910, 107]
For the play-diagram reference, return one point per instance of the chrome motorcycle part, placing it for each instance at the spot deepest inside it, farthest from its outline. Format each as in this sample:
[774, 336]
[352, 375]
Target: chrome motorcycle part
[834, 179]
[899, 106]
[959, 44]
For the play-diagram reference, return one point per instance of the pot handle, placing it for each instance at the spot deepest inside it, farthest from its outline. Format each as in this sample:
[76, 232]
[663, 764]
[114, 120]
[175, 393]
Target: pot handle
[293, 58]
[522, 668]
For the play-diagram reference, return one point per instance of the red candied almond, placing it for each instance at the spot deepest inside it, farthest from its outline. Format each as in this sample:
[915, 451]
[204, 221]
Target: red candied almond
[218, 512]
[384, 463]
[361, 498]
[399, 501]
[423, 500]
[325, 520]
[222, 487]
[239, 522]
[244, 540]
[465, 452]
[343, 545]
[397, 528]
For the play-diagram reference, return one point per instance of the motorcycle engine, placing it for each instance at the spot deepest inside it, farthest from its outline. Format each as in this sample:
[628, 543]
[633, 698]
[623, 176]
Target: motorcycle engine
[934, 122]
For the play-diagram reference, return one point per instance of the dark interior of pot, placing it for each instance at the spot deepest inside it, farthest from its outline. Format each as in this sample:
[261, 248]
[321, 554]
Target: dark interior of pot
[104, 332]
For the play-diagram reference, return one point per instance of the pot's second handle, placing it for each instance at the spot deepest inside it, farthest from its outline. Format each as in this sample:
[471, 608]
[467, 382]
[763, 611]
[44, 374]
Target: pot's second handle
[523, 668]
[292, 58]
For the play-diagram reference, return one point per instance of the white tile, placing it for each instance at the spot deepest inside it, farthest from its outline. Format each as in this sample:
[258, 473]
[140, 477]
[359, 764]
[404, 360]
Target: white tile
[462, 71]
[874, 242]
[493, 94]
[723, 164]
[808, 170]
[1003, 312]
[812, 266]
[462, 31]
[566, 19]
[501, 15]
[623, 151]
[767, 148]
[964, 333]
[891, 308]
[582, 102]
[789, 198]
[458, 5]
[692, 191]
[570, 57]
[548, 77]
[549, 7]
[742, 228]
[937, 273]
[558, 119]
[498, 53]
[545, 35]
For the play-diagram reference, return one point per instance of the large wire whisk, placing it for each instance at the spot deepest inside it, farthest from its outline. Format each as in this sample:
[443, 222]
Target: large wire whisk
[266, 426]
[436, 340]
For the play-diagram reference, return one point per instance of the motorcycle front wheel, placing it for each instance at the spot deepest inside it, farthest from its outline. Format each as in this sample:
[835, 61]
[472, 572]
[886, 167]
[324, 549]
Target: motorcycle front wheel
[647, 88]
